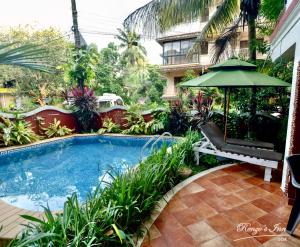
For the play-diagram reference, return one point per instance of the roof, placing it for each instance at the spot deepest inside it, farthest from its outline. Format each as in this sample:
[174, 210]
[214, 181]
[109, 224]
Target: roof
[233, 64]
[108, 97]
[183, 36]
[283, 19]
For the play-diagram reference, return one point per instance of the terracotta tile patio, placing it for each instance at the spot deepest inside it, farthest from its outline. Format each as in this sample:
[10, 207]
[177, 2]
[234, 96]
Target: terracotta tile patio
[228, 207]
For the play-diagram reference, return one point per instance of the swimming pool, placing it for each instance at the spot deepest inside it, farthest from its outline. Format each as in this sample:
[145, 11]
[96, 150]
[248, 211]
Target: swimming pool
[48, 173]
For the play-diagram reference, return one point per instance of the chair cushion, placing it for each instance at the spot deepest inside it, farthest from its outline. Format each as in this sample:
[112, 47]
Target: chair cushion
[214, 134]
[258, 144]
[252, 152]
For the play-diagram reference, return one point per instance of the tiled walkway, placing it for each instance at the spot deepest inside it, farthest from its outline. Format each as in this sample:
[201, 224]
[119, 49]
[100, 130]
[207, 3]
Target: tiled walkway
[223, 207]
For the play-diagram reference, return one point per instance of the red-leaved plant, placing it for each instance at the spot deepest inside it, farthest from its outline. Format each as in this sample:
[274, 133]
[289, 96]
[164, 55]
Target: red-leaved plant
[203, 106]
[85, 104]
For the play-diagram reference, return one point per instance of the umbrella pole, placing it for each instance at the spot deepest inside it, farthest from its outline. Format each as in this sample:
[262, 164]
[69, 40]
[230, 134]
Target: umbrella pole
[226, 116]
[225, 105]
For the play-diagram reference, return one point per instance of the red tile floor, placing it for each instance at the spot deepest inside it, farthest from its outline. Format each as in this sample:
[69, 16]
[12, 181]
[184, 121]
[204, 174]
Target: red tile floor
[228, 207]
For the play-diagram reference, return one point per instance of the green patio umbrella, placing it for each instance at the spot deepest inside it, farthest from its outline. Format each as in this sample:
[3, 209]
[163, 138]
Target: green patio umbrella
[234, 73]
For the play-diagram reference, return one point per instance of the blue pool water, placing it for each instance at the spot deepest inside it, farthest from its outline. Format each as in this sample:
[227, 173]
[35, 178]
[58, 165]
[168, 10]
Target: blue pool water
[49, 173]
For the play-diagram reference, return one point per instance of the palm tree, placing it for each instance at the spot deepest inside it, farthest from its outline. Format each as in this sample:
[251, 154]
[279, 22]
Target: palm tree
[28, 56]
[160, 15]
[134, 53]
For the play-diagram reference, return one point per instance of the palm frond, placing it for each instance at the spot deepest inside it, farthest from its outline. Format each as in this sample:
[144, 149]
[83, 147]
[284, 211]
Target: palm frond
[225, 14]
[222, 42]
[28, 56]
[158, 16]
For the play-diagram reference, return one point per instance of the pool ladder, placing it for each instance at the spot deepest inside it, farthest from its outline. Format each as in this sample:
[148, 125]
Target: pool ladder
[158, 138]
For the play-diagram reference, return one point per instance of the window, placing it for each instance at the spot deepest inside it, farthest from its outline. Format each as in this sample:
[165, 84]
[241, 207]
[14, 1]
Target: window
[243, 44]
[168, 48]
[176, 52]
[176, 48]
[204, 48]
[185, 46]
[205, 15]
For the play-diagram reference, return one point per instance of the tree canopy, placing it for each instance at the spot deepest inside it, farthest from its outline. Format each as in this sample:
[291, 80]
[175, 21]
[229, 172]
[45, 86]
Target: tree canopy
[55, 51]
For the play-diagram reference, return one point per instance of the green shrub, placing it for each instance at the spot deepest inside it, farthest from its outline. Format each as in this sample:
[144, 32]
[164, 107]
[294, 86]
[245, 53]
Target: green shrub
[16, 132]
[113, 214]
[209, 160]
[136, 123]
[178, 122]
[109, 127]
[56, 130]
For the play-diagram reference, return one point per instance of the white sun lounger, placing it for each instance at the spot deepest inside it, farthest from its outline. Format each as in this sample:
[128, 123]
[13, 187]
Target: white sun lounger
[213, 143]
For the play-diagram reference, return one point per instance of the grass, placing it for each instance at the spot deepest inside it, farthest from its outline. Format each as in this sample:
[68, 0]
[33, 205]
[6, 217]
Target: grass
[113, 214]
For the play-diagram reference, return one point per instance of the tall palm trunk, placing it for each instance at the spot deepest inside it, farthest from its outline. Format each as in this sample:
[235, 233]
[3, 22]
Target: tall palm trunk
[252, 57]
[252, 37]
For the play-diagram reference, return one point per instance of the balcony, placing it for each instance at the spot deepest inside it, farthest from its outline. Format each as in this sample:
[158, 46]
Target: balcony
[180, 59]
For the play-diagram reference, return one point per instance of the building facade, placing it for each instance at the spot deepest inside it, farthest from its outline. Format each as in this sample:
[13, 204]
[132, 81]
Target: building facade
[285, 44]
[175, 48]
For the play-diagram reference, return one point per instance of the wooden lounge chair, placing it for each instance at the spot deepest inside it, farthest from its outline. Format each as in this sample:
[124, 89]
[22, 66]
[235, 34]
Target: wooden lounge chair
[251, 152]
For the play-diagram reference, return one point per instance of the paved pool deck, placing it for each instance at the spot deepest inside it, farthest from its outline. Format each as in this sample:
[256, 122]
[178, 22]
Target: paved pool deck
[228, 207]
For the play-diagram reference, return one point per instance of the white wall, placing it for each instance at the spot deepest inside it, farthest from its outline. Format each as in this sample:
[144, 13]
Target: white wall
[286, 38]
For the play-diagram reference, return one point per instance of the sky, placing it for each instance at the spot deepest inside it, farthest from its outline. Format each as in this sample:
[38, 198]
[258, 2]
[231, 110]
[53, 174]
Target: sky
[98, 19]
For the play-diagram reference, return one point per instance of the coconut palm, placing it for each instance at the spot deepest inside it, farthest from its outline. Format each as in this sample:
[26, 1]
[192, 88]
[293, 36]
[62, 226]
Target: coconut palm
[134, 53]
[160, 15]
[28, 56]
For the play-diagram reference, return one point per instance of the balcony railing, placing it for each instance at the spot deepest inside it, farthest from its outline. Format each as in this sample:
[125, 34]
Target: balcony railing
[243, 52]
[180, 59]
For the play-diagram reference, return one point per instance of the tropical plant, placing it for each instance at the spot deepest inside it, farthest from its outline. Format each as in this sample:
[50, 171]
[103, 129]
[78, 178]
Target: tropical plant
[151, 88]
[157, 16]
[160, 120]
[272, 9]
[54, 49]
[203, 106]
[109, 71]
[209, 160]
[178, 120]
[135, 123]
[27, 56]
[86, 108]
[134, 53]
[56, 130]
[16, 132]
[81, 70]
[109, 127]
[114, 213]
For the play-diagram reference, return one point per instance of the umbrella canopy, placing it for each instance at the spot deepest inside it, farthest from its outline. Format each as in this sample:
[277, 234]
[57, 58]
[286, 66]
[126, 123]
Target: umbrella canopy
[234, 73]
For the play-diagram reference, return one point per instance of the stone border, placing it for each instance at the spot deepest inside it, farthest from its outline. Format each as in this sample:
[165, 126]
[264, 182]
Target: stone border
[55, 139]
[169, 195]
[35, 111]
[54, 108]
